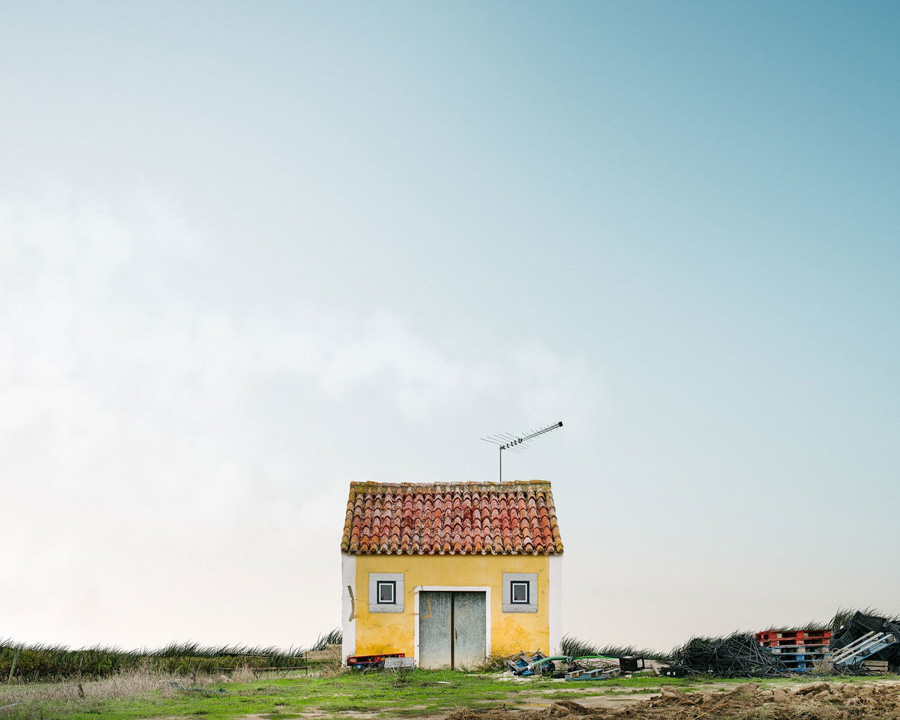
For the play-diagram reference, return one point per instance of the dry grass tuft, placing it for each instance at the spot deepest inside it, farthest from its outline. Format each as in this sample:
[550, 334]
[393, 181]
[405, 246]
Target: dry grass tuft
[121, 685]
[243, 674]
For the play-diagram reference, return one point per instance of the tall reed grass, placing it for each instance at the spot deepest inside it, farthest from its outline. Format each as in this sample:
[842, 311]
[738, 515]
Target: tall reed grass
[574, 647]
[33, 663]
[841, 617]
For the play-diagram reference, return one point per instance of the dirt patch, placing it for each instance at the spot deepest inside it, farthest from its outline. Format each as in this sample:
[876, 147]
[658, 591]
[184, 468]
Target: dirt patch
[314, 713]
[615, 699]
[815, 701]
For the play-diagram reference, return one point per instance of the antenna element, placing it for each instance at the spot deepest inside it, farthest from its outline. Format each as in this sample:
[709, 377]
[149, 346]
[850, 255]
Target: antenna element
[505, 441]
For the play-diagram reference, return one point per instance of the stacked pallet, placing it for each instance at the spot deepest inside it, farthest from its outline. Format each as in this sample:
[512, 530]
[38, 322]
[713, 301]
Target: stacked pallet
[799, 650]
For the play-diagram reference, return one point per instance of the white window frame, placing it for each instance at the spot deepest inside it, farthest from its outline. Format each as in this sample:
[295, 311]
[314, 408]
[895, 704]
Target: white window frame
[379, 585]
[515, 585]
[382, 607]
[519, 607]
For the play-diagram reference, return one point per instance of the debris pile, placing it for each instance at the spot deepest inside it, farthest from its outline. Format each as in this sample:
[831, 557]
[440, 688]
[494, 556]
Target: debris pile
[800, 650]
[866, 643]
[820, 700]
[588, 667]
[858, 644]
[738, 655]
[523, 664]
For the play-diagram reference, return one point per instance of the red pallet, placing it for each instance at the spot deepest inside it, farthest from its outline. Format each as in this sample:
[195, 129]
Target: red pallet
[780, 638]
[793, 635]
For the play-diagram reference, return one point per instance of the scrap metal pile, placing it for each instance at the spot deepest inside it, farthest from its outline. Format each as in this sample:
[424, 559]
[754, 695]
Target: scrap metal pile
[587, 667]
[861, 645]
[738, 655]
[866, 643]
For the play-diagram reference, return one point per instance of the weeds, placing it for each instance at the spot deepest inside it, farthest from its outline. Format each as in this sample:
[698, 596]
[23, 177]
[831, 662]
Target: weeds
[35, 663]
[573, 647]
[335, 637]
[841, 618]
[244, 674]
[120, 685]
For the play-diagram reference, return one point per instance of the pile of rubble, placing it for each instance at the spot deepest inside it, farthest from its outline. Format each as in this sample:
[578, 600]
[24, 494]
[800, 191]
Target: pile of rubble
[820, 700]
[738, 655]
[862, 645]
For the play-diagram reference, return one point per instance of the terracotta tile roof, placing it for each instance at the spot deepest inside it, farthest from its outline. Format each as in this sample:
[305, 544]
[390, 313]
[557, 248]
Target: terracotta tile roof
[510, 518]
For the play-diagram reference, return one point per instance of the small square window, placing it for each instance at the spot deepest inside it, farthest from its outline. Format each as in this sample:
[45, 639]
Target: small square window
[387, 592]
[519, 592]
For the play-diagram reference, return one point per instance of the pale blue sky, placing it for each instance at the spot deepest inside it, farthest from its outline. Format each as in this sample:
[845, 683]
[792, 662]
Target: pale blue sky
[252, 251]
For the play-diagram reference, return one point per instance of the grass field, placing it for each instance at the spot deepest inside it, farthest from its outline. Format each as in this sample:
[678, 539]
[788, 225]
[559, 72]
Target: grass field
[190, 681]
[144, 694]
[416, 693]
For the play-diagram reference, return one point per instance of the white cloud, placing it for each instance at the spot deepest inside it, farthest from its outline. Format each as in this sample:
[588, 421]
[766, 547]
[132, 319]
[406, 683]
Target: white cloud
[122, 431]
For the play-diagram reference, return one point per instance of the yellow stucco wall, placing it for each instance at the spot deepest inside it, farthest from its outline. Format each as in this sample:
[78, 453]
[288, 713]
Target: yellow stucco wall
[395, 632]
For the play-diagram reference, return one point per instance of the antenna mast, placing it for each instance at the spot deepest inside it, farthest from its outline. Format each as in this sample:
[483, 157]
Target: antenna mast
[516, 444]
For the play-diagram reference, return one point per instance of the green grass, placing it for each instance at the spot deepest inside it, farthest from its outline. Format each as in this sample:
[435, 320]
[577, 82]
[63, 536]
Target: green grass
[412, 694]
[383, 694]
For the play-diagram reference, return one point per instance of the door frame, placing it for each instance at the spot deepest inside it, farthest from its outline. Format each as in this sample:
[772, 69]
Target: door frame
[486, 589]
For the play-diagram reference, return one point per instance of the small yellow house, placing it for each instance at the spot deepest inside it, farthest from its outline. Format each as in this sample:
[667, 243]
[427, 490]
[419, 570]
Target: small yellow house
[451, 573]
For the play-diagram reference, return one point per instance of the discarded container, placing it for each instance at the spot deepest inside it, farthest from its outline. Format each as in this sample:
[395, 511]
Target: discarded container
[631, 663]
[362, 662]
[525, 664]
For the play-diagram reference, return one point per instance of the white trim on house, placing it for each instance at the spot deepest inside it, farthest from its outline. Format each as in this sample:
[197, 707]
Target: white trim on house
[556, 596]
[456, 588]
[349, 606]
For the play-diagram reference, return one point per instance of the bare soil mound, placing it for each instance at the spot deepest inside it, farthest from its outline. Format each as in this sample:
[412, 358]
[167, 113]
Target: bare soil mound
[816, 701]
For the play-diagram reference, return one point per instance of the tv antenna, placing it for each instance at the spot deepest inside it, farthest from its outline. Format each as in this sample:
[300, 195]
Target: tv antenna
[516, 444]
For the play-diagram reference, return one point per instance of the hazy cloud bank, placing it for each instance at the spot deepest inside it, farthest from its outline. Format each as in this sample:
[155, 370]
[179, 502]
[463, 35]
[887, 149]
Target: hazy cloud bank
[125, 431]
